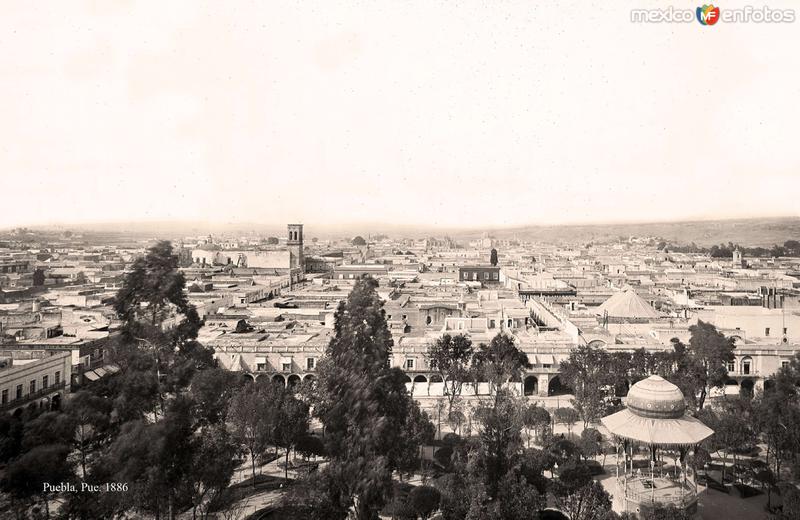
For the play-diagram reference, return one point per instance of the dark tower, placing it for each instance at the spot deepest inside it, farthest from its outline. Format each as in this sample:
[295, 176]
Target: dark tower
[295, 244]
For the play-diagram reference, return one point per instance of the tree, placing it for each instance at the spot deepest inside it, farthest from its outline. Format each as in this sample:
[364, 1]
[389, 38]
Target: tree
[792, 247]
[493, 257]
[778, 420]
[590, 443]
[424, 500]
[454, 501]
[26, 476]
[251, 416]
[212, 390]
[212, 465]
[11, 433]
[500, 439]
[664, 512]
[46, 429]
[768, 481]
[456, 420]
[153, 291]
[154, 461]
[417, 430]
[91, 416]
[500, 361]
[790, 496]
[517, 500]
[451, 356]
[588, 502]
[159, 330]
[733, 424]
[500, 481]
[567, 417]
[587, 372]
[38, 277]
[703, 364]
[535, 418]
[291, 423]
[273, 241]
[359, 241]
[364, 407]
[311, 446]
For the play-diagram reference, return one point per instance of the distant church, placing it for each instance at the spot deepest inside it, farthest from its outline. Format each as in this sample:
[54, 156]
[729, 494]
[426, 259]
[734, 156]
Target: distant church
[278, 261]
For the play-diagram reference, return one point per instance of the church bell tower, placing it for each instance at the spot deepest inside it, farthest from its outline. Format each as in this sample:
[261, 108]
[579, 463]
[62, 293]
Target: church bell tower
[295, 244]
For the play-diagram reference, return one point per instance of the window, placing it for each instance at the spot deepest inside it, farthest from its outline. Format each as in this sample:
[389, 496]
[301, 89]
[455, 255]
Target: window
[486, 275]
[405, 316]
[5, 397]
[731, 366]
[44, 382]
[261, 366]
[57, 378]
[311, 363]
[766, 331]
[19, 392]
[32, 389]
[785, 331]
[746, 363]
[428, 320]
[410, 364]
[287, 367]
[784, 363]
[495, 276]
[388, 317]
[491, 324]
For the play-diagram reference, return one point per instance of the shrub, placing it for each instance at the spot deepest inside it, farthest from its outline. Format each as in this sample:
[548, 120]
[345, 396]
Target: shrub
[424, 500]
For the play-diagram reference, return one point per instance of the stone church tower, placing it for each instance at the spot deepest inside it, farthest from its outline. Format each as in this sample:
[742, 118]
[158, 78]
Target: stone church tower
[295, 245]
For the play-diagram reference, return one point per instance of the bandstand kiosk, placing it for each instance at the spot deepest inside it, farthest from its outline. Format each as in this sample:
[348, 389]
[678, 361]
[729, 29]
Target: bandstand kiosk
[655, 416]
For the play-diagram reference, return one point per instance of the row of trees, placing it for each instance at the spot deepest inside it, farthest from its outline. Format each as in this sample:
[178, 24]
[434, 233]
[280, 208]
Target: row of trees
[789, 248]
[597, 375]
[458, 362]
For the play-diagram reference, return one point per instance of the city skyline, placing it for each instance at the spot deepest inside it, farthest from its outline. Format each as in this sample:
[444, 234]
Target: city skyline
[420, 114]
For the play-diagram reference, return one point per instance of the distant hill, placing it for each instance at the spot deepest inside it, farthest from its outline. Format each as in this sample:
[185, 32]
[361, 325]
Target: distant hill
[752, 232]
[749, 232]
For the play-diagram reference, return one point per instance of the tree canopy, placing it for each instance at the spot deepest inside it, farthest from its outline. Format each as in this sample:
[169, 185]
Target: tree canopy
[365, 407]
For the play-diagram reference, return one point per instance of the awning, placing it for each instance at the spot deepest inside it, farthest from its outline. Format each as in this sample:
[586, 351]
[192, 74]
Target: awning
[91, 375]
[546, 359]
[100, 372]
[683, 431]
[111, 369]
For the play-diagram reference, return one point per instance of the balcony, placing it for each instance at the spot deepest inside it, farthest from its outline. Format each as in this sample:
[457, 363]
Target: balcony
[43, 392]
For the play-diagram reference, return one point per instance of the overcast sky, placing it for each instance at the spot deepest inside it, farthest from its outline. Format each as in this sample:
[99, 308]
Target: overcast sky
[438, 113]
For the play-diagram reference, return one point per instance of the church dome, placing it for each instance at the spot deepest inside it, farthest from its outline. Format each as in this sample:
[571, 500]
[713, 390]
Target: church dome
[657, 398]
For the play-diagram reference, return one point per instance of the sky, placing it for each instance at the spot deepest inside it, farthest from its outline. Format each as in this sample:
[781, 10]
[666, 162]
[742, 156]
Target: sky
[434, 113]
